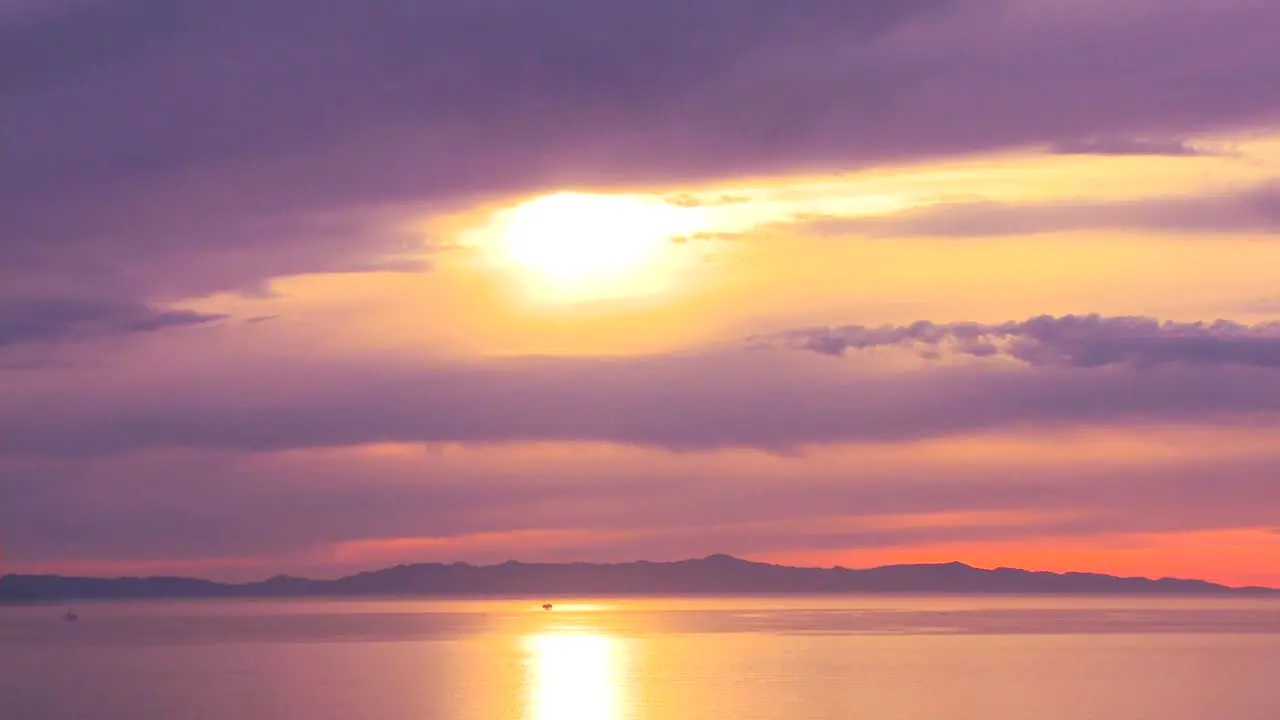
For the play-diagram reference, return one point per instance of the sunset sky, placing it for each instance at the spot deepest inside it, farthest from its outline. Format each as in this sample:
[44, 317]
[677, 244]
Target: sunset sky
[314, 286]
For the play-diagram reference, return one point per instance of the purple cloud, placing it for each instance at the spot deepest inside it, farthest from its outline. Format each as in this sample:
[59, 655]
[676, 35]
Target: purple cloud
[1075, 371]
[1068, 341]
[49, 320]
[1256, 210]
[175, 149]
[281, 510]
[259, 125]
[1127, 146]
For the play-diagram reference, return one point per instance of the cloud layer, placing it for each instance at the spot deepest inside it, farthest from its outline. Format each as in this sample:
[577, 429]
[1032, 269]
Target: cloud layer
[285, 510]
[60, 319]
[1126, 146]
[1252, 211]
[169, 149]
[1074, 370]
[1069, 341]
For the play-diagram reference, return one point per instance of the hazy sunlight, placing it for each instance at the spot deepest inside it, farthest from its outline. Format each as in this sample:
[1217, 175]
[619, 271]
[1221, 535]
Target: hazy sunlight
[577, 246]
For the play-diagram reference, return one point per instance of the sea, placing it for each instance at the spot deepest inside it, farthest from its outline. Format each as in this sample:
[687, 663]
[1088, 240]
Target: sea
[659, 658]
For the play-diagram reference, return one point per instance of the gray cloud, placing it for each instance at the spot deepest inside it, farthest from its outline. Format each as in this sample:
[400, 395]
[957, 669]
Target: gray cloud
[1068, 341]
[59, 319]
[1256, 210]
[1128, 146]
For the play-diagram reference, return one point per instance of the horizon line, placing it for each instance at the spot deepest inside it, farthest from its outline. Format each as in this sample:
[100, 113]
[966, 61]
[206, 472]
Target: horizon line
[705, 558]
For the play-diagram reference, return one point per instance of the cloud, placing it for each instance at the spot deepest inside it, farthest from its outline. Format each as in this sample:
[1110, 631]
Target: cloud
[241, 140]
[1069, 341]
[1069, 373]
[1127, 146]
[48, 320]
[288, 506]
[1254, 210]
[276, 457]
[157, 150]
[221, 144]
[687, 200]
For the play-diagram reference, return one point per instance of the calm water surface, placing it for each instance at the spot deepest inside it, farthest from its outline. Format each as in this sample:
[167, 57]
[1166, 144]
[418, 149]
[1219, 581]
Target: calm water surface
[826, 658]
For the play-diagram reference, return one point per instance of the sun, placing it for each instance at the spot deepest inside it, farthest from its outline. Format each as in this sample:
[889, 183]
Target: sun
[590, 246]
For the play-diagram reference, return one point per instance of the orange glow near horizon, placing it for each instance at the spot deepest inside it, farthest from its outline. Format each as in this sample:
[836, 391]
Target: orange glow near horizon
[1240, 557]
[1237, 557]
[648, 517]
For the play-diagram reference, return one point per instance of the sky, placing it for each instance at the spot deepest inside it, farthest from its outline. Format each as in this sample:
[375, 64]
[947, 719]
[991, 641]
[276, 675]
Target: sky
[315, 286]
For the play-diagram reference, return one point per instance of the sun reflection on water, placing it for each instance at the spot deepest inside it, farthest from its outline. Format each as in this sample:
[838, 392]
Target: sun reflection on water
[574, 676]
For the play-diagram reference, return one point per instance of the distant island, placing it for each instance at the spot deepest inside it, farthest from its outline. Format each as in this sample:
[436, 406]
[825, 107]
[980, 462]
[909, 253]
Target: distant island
[715, 574]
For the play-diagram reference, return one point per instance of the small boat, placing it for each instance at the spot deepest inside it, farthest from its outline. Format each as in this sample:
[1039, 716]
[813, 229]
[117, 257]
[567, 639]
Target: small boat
[547, 606]
[70, 617]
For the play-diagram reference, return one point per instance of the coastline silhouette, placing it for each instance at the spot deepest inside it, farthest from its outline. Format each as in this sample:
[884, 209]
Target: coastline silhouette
[714, 574]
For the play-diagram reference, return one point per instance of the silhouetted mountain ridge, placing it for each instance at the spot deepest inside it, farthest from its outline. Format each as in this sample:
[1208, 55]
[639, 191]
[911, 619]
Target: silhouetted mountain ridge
[714, 574]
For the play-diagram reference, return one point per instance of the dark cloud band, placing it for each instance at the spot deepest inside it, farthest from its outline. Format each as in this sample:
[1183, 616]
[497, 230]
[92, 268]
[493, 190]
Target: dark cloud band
[1069, 341]
[48, 320]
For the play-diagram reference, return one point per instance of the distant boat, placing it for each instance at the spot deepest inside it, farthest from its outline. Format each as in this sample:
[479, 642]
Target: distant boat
[547, 606]
[70, 617]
